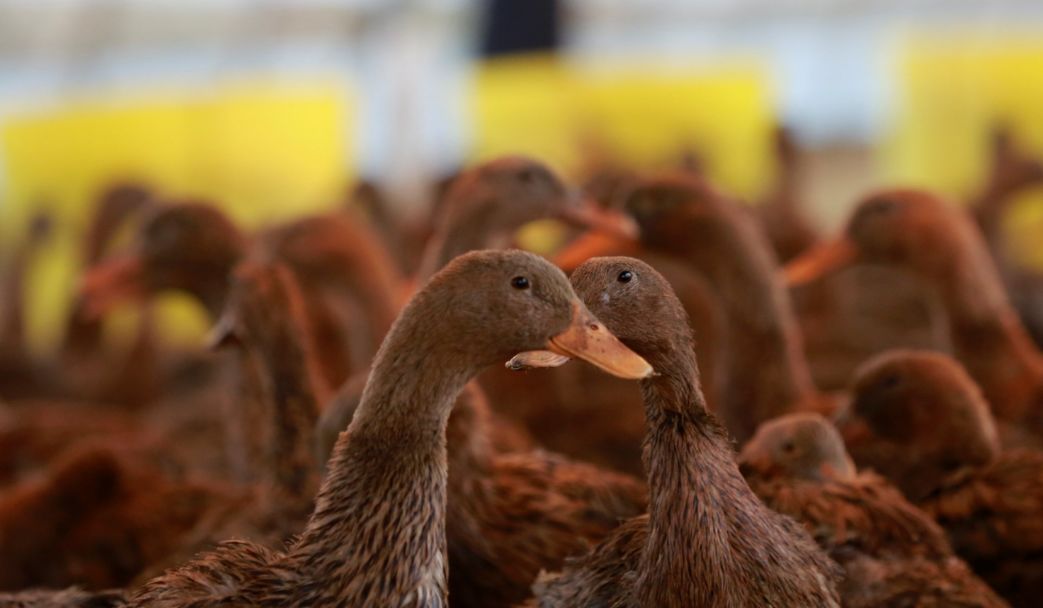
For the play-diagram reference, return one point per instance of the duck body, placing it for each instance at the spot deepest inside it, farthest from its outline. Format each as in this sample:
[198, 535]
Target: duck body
[919, 419]
[707, 539]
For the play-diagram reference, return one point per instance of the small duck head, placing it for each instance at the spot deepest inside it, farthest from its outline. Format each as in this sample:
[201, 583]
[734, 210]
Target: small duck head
[913, 229]
[801, 446]
[188, 246]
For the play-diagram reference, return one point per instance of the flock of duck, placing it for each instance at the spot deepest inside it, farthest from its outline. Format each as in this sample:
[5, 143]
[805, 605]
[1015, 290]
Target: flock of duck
[388, 414]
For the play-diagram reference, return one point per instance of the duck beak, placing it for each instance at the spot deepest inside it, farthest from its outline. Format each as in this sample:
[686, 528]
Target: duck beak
[593, 245]
[588, 339]
[107, 284]
[821, 261]
[590, 216]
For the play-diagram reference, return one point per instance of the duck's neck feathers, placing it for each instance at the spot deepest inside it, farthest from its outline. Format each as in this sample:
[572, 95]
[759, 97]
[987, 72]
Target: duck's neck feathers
[987, 334]
[379, 521]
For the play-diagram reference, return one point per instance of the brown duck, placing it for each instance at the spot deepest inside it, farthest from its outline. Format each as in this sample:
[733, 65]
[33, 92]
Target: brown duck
[892, 553]
[922, 233]
[707, 539]
[919, 419]
[377, 536]
[764, 370]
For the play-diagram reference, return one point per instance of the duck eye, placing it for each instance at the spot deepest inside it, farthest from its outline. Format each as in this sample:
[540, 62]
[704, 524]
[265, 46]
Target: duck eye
[520, 283]
[788, 447]
[625, 276]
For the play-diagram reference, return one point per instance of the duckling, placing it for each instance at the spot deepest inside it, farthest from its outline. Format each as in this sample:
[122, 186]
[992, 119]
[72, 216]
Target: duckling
[919, 419]
[377, 535]
[920, 232]
[891, 551]
[707, 539]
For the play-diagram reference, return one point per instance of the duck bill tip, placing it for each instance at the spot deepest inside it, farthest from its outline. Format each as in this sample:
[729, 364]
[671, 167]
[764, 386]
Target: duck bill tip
[588, 339]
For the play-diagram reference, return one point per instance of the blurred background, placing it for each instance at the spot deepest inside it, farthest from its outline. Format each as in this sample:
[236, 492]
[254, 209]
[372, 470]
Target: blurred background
[271, 108]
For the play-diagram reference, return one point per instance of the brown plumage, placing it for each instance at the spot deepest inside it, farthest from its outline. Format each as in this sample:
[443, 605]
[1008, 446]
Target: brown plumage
[511, 511]
[764, 372]
[892, 553]
[377, 536]
[707, 539]
[65, 598]
[98, 517]
[918, 231]
[919, 419]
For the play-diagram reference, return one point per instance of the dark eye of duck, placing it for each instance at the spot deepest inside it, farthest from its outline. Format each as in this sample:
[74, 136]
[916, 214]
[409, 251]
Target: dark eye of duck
[520, 283]
[788, 447]
[625, 276]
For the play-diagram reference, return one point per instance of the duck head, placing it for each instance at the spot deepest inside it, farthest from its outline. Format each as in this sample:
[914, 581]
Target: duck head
[637, 305]
[501, 302]
[673, 212]
[487, 203]
[802, 446]
[187, 246]
[263, 305]
[915, 416]
[909, 228]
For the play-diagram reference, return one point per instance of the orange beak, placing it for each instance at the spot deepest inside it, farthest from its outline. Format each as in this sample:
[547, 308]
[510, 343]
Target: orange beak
[589, 215]
[110, 283]
[588, 339]
[593, 245]
[821, 261]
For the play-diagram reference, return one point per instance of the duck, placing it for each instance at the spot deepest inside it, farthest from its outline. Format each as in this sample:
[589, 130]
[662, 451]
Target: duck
[706, 539]
[487, 203]
[919, 419]
[377, 534]
[920, 232]
[566, 505]
[1012, 171]
[765, 372]
[891, 551]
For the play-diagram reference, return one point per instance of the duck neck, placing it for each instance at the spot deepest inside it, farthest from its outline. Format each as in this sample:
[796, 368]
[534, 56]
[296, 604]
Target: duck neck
[768, 374]
[988, 336]
[380, 514]
[290, 371]
[696, 493]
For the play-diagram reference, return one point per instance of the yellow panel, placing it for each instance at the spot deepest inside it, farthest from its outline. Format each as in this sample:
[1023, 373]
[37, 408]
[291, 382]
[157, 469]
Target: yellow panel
[643, 114]
[525, 105]
[950, 89]
[263, 150]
